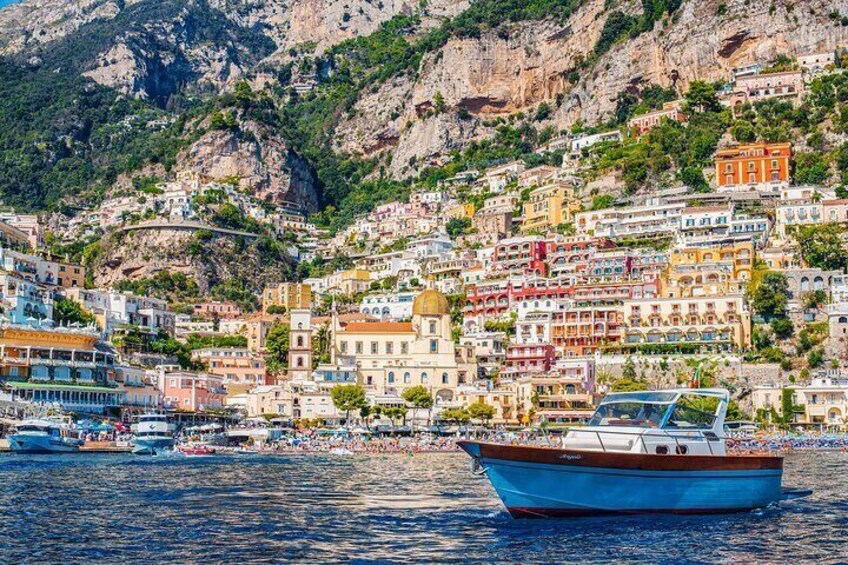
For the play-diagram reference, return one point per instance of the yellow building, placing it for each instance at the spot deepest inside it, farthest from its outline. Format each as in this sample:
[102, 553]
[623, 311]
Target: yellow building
[391, 357]
[708, 271]
[287, 295]
[459, 211]
[502, 400]
[348, 282]
[547, 207]
[709, 322]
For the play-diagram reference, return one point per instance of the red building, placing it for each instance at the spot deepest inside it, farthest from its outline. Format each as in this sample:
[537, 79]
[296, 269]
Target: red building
[581, 330]
[520, 256]
[528, 360]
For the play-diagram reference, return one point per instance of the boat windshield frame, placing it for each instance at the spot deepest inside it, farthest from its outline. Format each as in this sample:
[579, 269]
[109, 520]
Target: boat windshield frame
[664, 405]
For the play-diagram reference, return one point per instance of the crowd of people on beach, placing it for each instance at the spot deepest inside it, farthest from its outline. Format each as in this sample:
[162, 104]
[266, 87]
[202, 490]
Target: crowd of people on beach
[789, 442]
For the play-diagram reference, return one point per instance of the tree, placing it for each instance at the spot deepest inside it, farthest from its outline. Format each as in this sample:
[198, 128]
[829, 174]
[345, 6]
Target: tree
[457, 226]
[439, 102]
[66, 311]
[814, 299]
[395, 412]
[815, 358]
[628, 370]
[276, 309]
[348, 398]
[769, 297]
[419, 397]
[821, 247]
[481, 411]
[782, 328]
[277, 346]
[455, 415]
[702, 96]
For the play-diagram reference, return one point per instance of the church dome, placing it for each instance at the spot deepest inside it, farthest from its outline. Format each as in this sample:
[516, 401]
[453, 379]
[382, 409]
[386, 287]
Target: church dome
[430, 303]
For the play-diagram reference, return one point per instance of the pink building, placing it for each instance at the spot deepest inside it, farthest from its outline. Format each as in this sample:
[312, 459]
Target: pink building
[192, 392]
[235, 365]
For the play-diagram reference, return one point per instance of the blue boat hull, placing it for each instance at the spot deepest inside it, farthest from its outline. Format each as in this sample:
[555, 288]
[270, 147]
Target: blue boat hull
[25, 443]
[562, 483]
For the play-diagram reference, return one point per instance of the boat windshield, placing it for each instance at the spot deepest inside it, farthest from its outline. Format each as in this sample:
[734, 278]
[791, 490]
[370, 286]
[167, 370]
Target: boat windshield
[694, 411]
[33, 428]
[630, 413]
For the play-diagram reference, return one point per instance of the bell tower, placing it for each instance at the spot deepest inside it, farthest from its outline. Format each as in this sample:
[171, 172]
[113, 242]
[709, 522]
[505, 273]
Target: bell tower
[300, 344]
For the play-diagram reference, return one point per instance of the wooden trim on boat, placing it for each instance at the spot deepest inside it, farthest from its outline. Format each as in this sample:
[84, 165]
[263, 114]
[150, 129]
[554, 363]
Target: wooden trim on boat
[622, 460]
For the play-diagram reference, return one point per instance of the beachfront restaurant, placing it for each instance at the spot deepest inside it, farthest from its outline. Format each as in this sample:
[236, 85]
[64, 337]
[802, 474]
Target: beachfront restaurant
[75, 398]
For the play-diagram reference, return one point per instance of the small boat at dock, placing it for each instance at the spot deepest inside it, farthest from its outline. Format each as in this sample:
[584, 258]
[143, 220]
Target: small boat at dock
[642, 452]
[197, 450]
[43, 435]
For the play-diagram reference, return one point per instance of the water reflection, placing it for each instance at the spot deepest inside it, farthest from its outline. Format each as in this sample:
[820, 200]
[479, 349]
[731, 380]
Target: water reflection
[259, 509]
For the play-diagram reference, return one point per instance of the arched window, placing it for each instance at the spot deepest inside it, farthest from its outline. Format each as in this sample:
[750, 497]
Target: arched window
[407, 378]
[391, 377]
[424, 378]
[445, 378]
[300, 361]
[300, 341]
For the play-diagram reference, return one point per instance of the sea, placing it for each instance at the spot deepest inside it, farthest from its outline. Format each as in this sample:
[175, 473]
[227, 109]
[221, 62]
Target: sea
[365, 509]
[4, 3]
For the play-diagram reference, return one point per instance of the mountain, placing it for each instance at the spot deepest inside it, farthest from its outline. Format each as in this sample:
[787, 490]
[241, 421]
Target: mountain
[94, 90]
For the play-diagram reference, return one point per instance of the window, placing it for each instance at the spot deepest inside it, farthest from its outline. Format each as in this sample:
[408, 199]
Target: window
[359, 348]
[424, 378]
[434, 346]
[391, 377]
[300, 341]
[344, 347]
[407, 378]
[432, 327]
[445, 378]
[374, 346]
[404, 347]
[390, 347]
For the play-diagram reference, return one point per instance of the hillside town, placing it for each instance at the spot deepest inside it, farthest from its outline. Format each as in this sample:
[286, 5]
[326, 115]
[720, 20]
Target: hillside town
[518, 294]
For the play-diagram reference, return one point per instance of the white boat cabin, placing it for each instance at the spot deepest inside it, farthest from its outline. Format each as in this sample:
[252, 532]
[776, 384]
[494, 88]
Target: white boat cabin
[668, 422]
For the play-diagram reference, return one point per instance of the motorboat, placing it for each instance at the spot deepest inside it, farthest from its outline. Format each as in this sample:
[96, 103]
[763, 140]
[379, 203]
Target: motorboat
[152, 433]
[641, 452]
[43, 435]
[197, 450]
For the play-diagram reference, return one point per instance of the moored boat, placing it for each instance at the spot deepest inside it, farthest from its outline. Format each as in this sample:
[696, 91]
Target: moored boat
[41, 435]
[152, 433]
[642, 452]
[196, 450]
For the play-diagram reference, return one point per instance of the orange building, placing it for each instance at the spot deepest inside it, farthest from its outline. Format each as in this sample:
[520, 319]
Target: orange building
[753, 164]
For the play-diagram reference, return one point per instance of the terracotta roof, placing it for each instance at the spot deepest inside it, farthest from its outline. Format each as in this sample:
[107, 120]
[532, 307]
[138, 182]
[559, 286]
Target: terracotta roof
[379, 327]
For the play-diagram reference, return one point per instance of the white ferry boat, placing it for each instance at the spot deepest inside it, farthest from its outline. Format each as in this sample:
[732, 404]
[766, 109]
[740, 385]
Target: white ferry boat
[40, 435]
[152, 433]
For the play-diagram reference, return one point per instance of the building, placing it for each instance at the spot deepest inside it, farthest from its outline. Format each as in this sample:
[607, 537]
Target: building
[116, 310]
[70, 275]
[753, 88]
[300, 344]
[523, 360]
[393, 356]
[66, 367]
[824, 401]
[707, 323]
[520, 255]
[492, 225]
[639, 222]
[817, 63]
[708, 271]
[287, 295]
[547, 208]
[236, 366]
[753, 166]
[192, 392]
[214, 309]
[644, 123]
[563, 394]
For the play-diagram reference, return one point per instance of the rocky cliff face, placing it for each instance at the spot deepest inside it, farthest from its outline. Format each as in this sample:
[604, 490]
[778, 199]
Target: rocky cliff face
[141, 254]
[261, 160]
[498, 75]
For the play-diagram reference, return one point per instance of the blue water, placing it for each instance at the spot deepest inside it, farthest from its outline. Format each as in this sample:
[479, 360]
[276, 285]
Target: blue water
[4, 3]
[328, 509]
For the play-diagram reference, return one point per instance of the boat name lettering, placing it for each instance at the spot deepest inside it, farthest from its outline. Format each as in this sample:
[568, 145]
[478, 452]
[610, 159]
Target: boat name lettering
[570, 457]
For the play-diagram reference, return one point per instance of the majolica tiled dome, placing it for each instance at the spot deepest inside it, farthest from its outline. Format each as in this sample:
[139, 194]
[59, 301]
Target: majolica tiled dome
[430, 303]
